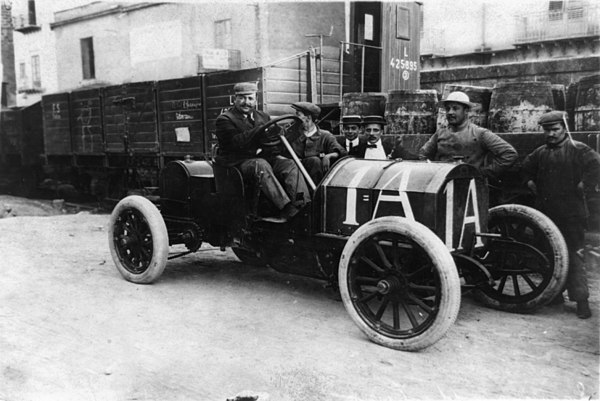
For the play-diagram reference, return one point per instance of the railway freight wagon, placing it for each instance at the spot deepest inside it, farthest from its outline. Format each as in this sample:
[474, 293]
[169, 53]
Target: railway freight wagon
[110, 140]
[21, 148]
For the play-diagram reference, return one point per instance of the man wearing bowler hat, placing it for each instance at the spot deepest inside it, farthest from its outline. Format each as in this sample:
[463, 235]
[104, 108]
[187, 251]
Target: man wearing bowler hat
[560, 173]
[315, 147]
[375, 148]
[259, 161]
[465, 140]
[354, 143]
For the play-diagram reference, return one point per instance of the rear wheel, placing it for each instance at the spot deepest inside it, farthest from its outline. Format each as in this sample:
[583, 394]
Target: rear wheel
[138, 240]
[399, 283]
[529, 265]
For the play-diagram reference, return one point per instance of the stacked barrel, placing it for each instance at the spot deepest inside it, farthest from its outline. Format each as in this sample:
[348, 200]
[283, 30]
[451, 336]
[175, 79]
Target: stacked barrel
[507, 107]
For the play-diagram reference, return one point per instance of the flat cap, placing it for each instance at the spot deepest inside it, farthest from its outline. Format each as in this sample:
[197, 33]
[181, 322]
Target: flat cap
[245, 88]
[458, 97]
[374, 120]
[351, 120]
[552, 117]
[308, 108]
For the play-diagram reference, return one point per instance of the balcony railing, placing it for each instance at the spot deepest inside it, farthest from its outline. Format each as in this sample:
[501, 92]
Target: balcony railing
[22, 23]
[568, 24]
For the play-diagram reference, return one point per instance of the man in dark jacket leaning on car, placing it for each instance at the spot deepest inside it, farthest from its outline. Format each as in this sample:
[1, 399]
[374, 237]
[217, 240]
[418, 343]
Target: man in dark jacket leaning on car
[242, 146]
[559, 173]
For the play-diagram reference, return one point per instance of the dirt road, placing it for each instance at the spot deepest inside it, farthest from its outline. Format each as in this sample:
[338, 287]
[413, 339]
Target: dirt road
[212, 328]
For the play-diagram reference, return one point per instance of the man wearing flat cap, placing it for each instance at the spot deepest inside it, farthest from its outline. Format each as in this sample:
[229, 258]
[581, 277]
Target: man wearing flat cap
[241, 146]
[352, 141]
[463, 139]
[315, 147]
[559, 173]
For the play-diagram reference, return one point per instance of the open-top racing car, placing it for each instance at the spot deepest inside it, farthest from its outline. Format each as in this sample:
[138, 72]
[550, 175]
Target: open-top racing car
[399, 238]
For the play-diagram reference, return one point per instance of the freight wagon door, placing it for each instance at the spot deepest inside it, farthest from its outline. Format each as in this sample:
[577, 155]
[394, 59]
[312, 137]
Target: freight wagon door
[367, 31]
[86, 120]
[180, 116]
[130, 123]
[57, 131]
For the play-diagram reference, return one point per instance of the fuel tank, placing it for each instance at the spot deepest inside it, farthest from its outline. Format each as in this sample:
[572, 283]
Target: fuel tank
[187, 189]
[450, 199]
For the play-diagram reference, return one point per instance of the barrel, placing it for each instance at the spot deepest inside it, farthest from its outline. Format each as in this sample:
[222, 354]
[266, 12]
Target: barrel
[517, 106]
[480, 95]
[363, 103]
[587, 105]
[559, 96]
[411, 111]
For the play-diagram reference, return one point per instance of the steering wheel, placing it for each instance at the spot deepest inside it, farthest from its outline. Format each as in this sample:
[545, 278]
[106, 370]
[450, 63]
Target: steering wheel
[266, 139]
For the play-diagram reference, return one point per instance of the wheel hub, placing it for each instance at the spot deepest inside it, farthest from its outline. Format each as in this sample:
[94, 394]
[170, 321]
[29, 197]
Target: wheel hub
[390, 284]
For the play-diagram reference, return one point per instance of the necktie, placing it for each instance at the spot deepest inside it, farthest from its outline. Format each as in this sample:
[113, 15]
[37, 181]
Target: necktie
[369, 146]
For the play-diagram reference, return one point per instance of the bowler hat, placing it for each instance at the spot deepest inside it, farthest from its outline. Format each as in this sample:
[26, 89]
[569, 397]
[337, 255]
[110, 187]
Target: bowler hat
[351, 120]
[552, 117]
[458, 97]
[374, 120]
[245, 88]
[308, 109]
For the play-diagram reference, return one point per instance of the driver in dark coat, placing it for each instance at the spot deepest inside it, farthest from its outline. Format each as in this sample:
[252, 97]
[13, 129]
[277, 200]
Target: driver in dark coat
[242, 145]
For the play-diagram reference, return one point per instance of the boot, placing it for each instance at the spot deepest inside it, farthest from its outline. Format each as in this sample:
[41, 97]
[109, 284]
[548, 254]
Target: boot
[583, 309]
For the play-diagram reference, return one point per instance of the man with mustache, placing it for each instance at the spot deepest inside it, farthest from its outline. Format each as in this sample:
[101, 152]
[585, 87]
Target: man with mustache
[464, 140]
[259, 161]
[559, 173]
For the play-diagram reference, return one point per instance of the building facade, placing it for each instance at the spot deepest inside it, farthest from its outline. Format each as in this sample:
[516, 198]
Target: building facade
[483, 42]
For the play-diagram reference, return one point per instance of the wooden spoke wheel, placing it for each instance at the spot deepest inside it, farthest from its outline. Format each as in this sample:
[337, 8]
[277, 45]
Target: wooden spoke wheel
[529, 264]
[138, 240]
[399, 283]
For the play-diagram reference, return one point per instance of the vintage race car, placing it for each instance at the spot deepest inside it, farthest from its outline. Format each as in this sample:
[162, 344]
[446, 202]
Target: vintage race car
[401, 239]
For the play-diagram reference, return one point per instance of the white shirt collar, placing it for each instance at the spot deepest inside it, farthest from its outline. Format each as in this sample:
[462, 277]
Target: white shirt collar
[354, 142]
[376, 153]
[311, 132]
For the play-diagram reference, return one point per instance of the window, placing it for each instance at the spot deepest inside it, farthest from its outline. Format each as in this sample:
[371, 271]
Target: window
[87, 58]
[402, 23]
[223, 34]
[31, 12]
[23, 75]
[36, 78]
[555, 10]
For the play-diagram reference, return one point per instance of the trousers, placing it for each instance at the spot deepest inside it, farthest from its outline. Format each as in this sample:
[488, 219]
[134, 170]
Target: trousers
[278, 178]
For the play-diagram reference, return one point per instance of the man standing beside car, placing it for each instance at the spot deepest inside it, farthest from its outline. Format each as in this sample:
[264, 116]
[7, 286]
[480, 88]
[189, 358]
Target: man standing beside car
[559, 173]
[462, 139]
[241, 146]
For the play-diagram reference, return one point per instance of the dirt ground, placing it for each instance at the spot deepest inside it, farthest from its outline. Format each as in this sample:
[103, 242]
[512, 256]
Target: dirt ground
[212, 328]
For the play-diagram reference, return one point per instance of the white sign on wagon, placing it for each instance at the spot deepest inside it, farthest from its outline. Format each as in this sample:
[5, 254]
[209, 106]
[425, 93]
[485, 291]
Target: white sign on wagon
[182, 134]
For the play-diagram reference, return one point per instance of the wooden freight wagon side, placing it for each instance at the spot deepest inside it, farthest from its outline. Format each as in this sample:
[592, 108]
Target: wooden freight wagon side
[56, 117]
[181, 117]
[10, 137]
[86, 122]
[32, 136]
[129, 119]
[302, 78]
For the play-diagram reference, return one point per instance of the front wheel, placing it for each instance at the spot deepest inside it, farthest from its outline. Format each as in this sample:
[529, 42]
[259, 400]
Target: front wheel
[138, 240]
[399, 283]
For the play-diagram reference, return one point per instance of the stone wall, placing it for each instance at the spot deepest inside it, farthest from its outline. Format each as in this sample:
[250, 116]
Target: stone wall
[560, 71]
